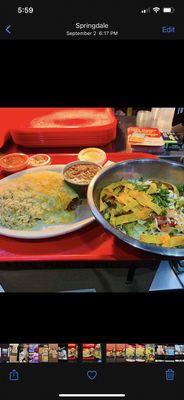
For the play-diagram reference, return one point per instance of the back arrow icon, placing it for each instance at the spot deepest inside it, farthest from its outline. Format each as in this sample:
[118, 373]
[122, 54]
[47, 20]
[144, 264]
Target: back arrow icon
[8, 29]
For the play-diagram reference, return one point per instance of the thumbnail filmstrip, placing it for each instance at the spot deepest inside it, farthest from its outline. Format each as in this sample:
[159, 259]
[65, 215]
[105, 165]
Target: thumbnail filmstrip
[90, 352]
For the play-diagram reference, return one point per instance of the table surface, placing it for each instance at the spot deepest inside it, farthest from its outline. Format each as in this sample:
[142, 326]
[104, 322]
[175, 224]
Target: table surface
[92, 243]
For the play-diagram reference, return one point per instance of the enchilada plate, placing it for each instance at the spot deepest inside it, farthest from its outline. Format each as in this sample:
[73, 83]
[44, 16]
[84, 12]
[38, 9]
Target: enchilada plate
[83, 214]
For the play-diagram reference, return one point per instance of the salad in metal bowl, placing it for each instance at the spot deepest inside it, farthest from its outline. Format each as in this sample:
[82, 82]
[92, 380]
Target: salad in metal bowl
[148, 210]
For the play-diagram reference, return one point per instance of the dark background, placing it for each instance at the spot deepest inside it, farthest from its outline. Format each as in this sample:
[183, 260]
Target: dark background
[122, 318]
[127, 73]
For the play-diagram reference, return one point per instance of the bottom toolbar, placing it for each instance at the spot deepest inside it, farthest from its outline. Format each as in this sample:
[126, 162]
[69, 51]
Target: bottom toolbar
[133, 381]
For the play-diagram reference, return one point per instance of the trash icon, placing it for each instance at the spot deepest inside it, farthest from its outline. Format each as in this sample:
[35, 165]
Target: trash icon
[169, 374]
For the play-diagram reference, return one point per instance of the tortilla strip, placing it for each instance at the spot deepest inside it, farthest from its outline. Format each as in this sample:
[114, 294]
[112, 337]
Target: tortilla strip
[114, 185]
[169, 185]
[130, 208]
[108, 193]
[175, 190]
[152, 189]
[164, 240]
[123, 198]
[145, 200]
[155, 239]
[122, 184]
[176, 241]
[127, 184]
[127, 200]
[113, 220]
[102, 205]
[134, 216]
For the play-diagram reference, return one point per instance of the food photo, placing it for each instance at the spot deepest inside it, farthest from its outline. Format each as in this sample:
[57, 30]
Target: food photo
[91, 199]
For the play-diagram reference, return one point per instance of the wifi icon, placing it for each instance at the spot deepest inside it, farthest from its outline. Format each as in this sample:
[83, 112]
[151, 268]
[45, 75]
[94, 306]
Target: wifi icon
[156, 9]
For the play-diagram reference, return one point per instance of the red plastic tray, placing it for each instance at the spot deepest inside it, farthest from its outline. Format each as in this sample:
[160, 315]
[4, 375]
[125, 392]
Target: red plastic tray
[75, 126]
[91, 243]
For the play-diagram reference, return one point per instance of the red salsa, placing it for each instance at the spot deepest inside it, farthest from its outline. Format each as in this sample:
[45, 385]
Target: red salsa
[14, 162]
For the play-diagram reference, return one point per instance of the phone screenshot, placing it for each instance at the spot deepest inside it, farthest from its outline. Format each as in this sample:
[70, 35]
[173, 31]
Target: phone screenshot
[91, 200]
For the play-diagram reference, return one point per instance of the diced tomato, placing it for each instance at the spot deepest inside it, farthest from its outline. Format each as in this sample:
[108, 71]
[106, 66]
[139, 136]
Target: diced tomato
[173, 223]
[161, 220]
[164, 225]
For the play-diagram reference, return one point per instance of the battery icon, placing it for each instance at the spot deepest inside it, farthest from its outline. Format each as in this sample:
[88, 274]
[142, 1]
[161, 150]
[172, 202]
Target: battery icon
[168, 10]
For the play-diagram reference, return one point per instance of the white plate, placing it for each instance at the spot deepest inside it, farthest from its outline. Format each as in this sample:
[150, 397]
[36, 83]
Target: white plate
[84, 215]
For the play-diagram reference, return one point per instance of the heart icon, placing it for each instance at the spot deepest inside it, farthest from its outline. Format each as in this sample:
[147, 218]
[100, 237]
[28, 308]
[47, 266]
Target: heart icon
[92, 374]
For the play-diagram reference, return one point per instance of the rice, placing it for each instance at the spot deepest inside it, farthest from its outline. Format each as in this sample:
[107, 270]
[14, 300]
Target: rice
[19, 208]
[35, 198]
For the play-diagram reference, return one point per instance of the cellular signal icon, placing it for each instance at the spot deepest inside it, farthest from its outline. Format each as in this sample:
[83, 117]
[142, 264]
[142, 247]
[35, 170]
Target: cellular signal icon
[145, 11]
[156, 9]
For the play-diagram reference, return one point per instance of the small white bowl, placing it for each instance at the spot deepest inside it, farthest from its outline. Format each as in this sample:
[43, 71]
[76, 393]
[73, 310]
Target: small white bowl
[86, 155]
[32, 163]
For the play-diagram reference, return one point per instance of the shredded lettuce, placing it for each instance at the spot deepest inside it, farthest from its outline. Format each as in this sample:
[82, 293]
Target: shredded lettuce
[134, 229]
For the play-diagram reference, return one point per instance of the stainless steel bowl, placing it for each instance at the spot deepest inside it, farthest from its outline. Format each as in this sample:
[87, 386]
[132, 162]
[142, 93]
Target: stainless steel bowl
[149, 169]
